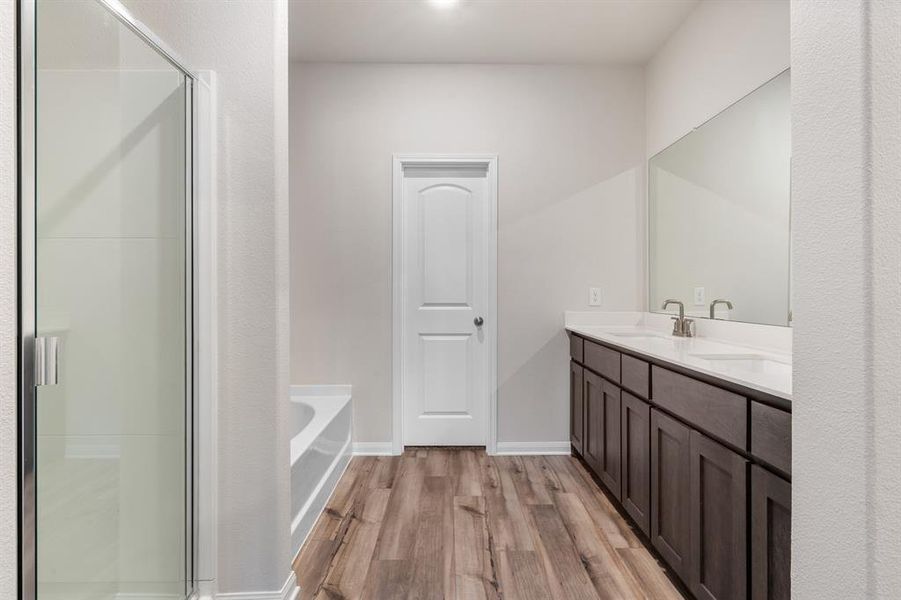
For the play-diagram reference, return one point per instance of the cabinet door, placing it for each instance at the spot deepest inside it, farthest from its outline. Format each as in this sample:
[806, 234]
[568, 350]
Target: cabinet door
[670, 472]
[719, 518]
[610, 466]
[770, 536]
[636, 476]
[576, 420]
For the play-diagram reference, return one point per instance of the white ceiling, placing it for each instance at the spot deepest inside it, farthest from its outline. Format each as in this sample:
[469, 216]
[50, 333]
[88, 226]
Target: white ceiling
[483, 31]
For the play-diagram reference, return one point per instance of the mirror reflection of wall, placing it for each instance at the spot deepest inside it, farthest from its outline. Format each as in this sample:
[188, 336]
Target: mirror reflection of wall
[719, 212]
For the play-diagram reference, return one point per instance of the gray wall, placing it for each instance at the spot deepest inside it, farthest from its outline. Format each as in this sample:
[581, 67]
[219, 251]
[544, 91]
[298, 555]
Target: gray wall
[245, 42]
[8, 299]
[724, 50]
[846, 140]
[570, 146]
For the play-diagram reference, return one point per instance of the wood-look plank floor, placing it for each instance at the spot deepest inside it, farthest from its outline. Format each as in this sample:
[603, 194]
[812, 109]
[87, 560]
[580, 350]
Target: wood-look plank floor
[457, 523]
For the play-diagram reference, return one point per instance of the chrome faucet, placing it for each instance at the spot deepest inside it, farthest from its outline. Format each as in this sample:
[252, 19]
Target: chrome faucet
[713, 306]
[682, 327]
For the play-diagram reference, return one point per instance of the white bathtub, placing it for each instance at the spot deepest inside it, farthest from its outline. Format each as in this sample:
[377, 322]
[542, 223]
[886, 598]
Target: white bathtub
[320, 450]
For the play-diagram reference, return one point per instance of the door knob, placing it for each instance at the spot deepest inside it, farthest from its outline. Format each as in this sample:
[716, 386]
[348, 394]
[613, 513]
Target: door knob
[478, 321]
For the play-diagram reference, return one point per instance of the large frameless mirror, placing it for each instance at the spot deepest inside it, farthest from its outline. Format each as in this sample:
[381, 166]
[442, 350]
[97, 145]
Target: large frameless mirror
[719, 213]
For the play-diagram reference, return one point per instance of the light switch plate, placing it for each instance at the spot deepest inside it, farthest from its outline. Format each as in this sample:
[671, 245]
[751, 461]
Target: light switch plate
[700, 296]
[594, 296]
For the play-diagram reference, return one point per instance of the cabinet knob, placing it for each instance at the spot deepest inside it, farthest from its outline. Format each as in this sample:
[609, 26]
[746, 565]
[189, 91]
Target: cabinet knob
[479, 321]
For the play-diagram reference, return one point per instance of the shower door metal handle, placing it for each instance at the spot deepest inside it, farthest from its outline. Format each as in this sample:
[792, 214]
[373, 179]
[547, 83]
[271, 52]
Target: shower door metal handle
[46, 360]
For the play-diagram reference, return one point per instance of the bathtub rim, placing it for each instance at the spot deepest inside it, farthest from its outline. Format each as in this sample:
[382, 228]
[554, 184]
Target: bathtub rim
[326, 401]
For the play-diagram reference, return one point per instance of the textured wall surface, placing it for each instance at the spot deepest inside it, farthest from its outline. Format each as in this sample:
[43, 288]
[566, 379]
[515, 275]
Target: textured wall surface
[245, 42]
[570, 152]
[8, 299]
[846, 80]
[884, 508]
[723, 50]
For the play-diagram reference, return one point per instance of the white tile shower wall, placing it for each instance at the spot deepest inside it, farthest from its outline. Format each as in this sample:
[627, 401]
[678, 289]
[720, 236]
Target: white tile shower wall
[570, 152]
[111, 437]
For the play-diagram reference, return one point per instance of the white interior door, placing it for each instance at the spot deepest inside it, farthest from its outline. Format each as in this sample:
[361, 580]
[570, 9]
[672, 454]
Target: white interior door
[447, 381]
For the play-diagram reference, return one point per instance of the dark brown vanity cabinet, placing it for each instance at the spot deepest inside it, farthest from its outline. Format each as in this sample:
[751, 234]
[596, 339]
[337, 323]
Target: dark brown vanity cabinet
[700, 465]
[635, 432]
[670, 489]
[770, 536]
[719, 517]
[576, 408]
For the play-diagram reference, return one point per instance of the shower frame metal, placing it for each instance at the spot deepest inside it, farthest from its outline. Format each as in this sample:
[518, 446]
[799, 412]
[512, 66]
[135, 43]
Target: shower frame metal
[27, 393]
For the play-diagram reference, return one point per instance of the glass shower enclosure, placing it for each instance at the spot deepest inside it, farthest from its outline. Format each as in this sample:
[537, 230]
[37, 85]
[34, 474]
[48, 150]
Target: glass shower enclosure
[107, 311]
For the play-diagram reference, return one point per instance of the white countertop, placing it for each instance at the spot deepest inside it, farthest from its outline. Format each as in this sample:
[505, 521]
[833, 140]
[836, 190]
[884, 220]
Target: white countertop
[764, 370]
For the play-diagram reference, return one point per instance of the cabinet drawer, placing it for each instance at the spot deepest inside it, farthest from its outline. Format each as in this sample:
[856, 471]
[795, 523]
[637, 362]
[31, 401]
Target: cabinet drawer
[602, 360]
[771, 436]
[575, 347]
[718, 412]
[636, 374]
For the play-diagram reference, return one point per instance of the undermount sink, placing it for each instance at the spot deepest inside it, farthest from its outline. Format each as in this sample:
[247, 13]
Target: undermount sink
[755, 363]
[639, 335]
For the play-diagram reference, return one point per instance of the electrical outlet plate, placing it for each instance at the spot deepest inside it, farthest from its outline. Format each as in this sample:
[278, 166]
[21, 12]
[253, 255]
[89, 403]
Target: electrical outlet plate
[700, 296]
[594, 296]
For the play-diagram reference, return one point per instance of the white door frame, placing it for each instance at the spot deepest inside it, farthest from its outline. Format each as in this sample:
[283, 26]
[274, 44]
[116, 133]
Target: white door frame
[398, 278]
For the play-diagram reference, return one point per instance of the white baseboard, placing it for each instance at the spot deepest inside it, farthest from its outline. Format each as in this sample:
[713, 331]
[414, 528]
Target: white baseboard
[373, 449]
[205, 591]
[533, 448]
[503, 448]
[289, 591]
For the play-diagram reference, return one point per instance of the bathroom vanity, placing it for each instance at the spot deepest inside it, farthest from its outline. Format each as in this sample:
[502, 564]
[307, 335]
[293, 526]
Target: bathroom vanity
[692, 438]
[687, 424]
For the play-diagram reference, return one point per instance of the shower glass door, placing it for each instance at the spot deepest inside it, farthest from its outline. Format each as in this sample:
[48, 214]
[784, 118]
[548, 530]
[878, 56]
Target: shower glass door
[112, 290]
